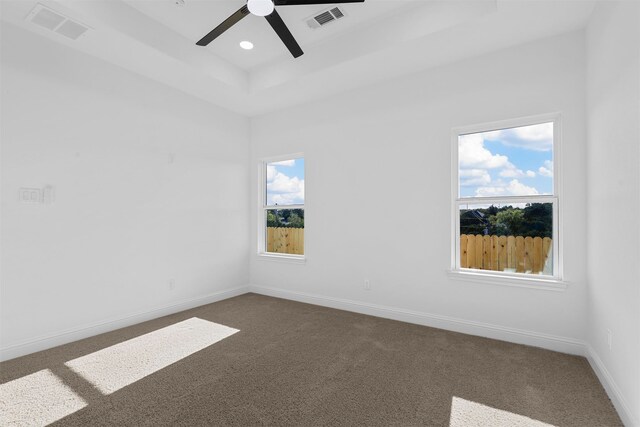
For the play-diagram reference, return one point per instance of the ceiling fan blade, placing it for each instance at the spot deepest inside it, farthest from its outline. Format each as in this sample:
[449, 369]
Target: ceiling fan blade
[285, 35]
[226, 24]
[303, 2]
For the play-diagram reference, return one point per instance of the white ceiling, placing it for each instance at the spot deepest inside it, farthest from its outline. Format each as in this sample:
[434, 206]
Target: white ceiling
[197, 17]
[378, 40]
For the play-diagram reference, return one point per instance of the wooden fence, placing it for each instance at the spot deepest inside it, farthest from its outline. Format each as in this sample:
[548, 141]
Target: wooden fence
[517, 253]
[285, 240]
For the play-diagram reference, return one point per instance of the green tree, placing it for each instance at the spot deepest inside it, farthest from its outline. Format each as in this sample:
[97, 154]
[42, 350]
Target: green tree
[295, 221]
[508, 222]
[272, 219]
[538, 219]
[287, 218]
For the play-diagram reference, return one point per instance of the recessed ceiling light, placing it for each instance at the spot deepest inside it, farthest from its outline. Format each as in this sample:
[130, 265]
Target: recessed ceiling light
[246, 45]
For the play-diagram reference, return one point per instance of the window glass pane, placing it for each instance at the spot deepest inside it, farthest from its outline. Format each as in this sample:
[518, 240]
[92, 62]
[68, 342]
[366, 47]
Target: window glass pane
[285, 231]
[285, 182]
[515, 238]
[507, 162]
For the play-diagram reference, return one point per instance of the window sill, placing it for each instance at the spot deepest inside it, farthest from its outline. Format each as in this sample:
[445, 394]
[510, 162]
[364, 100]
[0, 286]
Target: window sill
[291, 259]
[530, 282]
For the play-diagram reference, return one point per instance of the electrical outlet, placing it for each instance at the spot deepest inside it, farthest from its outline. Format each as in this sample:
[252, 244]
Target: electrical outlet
[367, 285]
[172, 284]
[609, 338]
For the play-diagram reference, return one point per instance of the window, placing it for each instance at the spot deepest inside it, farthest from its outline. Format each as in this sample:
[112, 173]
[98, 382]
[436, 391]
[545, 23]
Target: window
[281, 223]
[506, 201]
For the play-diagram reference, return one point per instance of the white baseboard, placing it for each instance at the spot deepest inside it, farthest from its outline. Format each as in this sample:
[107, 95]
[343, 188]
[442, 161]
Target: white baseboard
[518, 336]
[611, 388]
[64, 337]
[550, 342]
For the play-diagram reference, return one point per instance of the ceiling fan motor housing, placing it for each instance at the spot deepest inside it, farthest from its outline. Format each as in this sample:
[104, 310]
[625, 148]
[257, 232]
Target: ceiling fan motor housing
[266, 8]
[260, 7]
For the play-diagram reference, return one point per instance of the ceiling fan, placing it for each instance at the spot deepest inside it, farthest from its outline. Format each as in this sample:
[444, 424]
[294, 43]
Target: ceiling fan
[266, 8]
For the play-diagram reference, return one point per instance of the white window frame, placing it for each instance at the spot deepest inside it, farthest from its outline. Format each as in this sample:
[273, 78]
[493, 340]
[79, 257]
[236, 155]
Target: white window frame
[263, 208]
[554, 282]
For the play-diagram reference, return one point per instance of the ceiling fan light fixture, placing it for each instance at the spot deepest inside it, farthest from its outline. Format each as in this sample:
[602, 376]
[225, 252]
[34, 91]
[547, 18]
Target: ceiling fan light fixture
[260, 7]
[266, 8]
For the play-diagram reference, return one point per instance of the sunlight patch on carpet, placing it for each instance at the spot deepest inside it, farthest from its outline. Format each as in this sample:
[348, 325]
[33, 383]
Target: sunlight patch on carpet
[115, 367]
[465, 413]
[37, 400]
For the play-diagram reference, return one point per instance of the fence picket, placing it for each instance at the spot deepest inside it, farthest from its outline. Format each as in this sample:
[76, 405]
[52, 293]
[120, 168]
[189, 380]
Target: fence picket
[285, 240]
[546, 249]
[511, 252]
[471, 251]
[494, 253]
[269, 239]
[500, 253]
[486, 252]
[463, 251]
[520, 254]
[528, 254]
[301, 241]
[479, 251]
[537, 263]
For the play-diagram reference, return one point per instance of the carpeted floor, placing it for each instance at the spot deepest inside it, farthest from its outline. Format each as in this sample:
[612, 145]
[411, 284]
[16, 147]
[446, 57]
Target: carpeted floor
[300, 364]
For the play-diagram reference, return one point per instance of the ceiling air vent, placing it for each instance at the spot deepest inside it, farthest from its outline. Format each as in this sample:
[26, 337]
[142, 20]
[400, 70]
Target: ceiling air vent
[56, 22]
[325, 17]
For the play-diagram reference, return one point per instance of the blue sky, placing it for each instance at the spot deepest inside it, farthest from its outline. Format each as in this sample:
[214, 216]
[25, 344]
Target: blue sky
[507, 162]
[285, 182]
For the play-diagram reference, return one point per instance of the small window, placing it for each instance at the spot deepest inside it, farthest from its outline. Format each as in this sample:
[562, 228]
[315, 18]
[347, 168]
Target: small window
[282, 217]
[506, 205]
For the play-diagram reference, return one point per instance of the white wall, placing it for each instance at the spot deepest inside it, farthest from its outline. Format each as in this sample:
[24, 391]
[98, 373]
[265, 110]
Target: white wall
[613, 41]
[151, 185]
[379, 201]
[125, 219]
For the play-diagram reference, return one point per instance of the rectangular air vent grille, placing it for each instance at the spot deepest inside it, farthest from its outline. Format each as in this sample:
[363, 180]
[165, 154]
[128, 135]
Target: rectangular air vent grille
[325, 17]
[337, 12]
[56, 22]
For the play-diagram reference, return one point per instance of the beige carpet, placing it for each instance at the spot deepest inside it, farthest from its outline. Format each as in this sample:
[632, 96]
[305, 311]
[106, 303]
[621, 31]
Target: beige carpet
[297, 364]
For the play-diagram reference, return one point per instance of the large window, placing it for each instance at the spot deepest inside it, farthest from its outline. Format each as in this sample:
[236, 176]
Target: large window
[506, 202]
[281, 225]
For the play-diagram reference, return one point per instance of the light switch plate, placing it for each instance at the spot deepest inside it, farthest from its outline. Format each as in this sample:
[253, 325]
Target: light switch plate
[30, 195]
[44, 195]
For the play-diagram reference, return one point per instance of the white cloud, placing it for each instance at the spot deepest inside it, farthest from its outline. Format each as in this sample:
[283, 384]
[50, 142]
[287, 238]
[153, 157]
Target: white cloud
[545, 172]
[283, 189]
[271, 172]
[546, 169]
[473, 155]
[512, 188]
[473, 177]
[476, 163]
[541, 132]
[289, 163]
[513, 172]
[535, 137]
